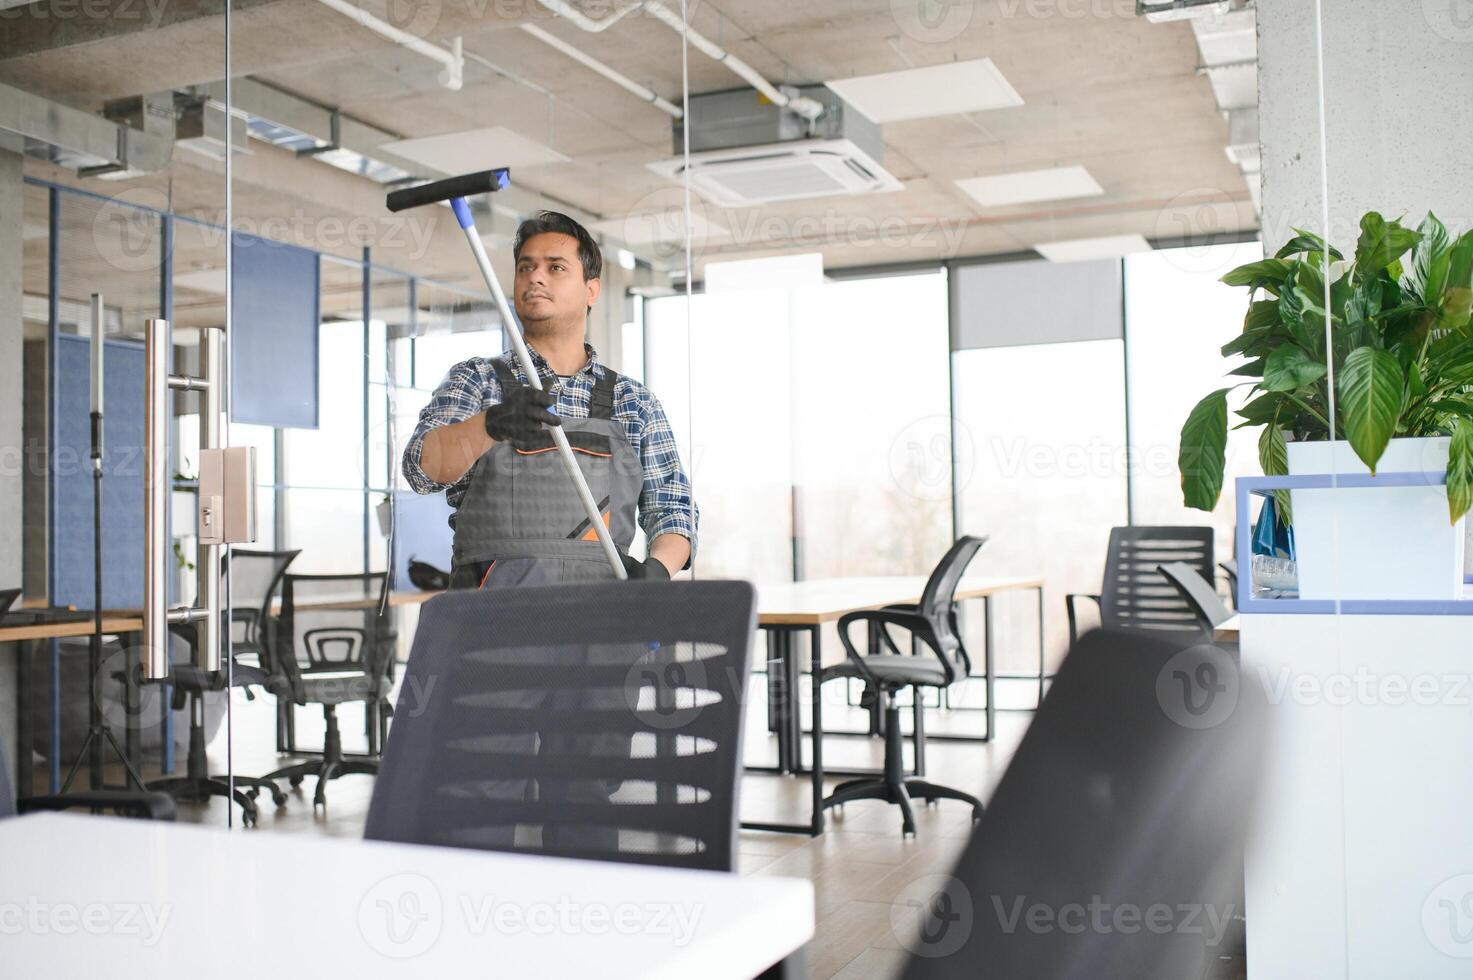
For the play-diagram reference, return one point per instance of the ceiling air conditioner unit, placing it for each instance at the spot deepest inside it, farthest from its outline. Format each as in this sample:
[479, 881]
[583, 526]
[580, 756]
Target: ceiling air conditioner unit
[747, 151]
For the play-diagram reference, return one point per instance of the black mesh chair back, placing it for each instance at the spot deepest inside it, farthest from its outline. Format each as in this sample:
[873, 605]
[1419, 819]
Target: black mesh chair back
[1198, 593]
[255, 583]
[596, 721]
[1132, 790]
[333, 624]
[1136, 595]
[937, 598]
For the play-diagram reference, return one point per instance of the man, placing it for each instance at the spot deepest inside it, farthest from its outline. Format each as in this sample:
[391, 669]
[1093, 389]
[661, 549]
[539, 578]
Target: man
[517, 518]
[483, 439]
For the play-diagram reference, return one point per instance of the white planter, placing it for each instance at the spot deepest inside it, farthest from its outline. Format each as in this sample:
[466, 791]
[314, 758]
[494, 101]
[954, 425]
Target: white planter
[1390, 543]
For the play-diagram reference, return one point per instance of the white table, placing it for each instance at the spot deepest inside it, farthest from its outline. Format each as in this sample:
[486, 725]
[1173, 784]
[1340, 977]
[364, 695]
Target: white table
[101, 896]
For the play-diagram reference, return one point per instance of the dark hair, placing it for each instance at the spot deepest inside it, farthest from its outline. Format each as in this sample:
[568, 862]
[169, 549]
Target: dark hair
[544, 222]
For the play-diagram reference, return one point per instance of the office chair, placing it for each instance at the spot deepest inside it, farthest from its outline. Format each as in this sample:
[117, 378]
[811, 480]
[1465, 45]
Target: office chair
[125, 803]
[7, 599]
[254, 577]
[1135, 596]
[609, 716]
[1230, 572]
[1130, 793]
[932, 624]
[1199, 595]
[332, 644]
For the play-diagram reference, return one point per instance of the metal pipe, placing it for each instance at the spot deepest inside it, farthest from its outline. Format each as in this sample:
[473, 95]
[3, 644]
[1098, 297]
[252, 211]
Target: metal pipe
[623, 81]
[800, 104]
[207, 650]
[452, 60]
[182, 382]
[156, 340]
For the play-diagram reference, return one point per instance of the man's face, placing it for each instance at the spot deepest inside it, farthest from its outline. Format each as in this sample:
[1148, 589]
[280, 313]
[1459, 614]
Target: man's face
[550, 288]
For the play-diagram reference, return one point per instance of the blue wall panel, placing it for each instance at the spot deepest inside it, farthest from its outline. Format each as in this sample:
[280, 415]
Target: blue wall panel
[274, 302]
[122, 468]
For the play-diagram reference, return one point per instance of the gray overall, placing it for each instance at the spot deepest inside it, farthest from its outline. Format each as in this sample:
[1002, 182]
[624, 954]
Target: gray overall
[520, 523]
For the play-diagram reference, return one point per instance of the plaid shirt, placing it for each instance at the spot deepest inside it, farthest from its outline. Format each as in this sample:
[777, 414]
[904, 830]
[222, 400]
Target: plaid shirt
[471, 387]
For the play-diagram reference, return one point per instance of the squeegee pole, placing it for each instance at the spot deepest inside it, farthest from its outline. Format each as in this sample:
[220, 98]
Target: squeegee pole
[524, 357]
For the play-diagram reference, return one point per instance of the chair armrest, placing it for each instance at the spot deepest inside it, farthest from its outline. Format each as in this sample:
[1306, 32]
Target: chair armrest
[919, 626]
[1069, 601]
[149, 806]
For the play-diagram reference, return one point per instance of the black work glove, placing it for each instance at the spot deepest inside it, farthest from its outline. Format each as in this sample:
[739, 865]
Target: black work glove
[520, 416]
[649, 570]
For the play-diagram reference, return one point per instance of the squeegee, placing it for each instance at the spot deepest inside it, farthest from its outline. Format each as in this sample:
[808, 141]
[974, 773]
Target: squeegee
[455, 190]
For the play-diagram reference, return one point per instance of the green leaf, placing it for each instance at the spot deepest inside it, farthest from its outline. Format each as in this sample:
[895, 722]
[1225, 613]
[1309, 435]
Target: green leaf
[1429, 260]
[1203, 451]
[1261, 410]
[1289, 368]
[1457, 298]
[1273, 456]
[1460, 471]
[1381, 243]
[1372, 391]
[1253, 369]
[1305, 241]
[1268, 273]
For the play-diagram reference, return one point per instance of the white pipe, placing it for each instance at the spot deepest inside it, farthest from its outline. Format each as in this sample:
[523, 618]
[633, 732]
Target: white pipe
[452, 60]
[623, 81]
[802, 105]
[583, 21]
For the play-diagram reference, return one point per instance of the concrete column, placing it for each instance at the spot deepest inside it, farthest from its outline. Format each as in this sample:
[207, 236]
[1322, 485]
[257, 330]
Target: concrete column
[1398, 78]
[11, 436]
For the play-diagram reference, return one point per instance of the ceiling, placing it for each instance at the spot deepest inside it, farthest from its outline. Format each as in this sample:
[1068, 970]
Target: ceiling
[1105, 91]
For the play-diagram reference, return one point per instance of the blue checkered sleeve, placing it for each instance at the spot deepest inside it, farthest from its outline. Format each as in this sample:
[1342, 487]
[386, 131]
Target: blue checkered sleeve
[463, 393]
[665, 505]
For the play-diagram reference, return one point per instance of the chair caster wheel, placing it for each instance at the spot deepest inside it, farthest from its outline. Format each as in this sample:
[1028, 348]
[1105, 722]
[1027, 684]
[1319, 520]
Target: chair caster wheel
[253, 792]
[278, 797]
[247, 818]
[297, 781]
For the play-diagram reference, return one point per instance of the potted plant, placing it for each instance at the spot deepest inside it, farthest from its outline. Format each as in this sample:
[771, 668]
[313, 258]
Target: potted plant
[1396, 324]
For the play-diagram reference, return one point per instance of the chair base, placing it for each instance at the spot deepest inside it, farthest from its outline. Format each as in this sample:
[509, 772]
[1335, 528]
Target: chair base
[198, 786]
[900, 793]
[198, 789]
[329, 767]
[895, 786]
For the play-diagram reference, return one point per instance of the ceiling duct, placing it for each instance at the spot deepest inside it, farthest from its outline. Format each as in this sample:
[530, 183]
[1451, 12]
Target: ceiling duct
[1227, 43]
[86, 143]
[746, 151]
[1160, 11]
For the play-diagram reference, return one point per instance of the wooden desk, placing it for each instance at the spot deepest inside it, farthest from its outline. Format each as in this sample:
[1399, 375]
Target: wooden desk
[1227, 632]
[786, 610]
[199, 900]
[24, 637]
[818, 601]
[59, 631]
